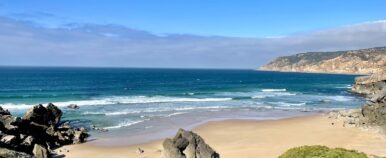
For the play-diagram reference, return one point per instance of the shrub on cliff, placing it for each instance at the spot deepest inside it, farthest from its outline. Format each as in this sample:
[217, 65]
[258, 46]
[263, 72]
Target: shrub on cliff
[318, 151]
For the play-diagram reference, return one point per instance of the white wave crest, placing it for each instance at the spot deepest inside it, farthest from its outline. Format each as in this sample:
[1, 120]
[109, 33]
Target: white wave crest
[124, 124]
[120, 100]
[288, 104]
[274, 90]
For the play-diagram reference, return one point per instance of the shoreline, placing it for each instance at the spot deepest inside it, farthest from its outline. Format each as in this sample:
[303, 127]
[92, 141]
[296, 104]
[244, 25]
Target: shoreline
[253, 138]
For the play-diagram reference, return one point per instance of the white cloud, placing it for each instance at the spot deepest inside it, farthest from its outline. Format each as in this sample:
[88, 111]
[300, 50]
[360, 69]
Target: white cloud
[24, 43]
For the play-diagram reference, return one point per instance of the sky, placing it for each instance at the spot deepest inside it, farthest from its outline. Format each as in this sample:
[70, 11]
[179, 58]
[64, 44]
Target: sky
[182, 34]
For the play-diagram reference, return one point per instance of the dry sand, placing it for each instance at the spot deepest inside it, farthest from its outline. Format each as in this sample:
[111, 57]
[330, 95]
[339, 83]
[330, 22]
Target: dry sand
[253, 139]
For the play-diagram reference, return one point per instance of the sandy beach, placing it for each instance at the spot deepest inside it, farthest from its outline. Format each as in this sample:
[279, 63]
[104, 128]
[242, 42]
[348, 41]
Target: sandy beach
[242, 138]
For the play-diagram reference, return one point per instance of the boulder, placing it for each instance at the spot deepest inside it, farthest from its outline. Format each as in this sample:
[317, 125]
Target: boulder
[170, 150]
[187, 144]
[8, 139]
[73, 106]
[8, 123]
[37, 114]
[40, 151]
[80, 136]
[7, 153]
[42, 115]
[4, 112]
[28, 141]
[54, 113]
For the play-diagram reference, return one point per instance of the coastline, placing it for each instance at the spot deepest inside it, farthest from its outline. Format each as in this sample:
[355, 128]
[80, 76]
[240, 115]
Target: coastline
[252, 138]
[315, 72]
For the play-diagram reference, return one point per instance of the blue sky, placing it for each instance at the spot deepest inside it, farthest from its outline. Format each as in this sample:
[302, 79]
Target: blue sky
[239, 18]
[182, 33]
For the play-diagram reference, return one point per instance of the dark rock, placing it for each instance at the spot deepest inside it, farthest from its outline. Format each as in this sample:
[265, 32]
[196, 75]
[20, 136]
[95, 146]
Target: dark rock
[40, 151]
[73, 106]
[80, 136]
[7, 153]
[187, 144]
[38, 114]
[42, 115]
[4, 112]
[38, 131]
[54, 113]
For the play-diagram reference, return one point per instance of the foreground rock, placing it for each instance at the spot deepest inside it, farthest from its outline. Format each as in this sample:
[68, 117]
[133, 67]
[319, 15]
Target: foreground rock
[369, 85]
[6, 153]
[38, 131]
[187, 144]
[375, 109]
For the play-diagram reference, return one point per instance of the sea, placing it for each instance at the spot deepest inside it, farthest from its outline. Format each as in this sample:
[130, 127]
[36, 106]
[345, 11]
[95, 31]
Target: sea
[143, 104]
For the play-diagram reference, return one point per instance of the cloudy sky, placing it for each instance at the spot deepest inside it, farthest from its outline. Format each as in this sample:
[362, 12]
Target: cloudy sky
[182, 34]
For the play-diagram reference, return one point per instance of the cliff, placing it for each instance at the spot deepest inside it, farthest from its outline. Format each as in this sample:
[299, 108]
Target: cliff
[363, 61]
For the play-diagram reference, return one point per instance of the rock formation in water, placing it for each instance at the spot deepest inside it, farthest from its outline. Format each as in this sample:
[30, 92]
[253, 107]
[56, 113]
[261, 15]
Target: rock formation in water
[36, 133]
[187, 144]
[363, 61]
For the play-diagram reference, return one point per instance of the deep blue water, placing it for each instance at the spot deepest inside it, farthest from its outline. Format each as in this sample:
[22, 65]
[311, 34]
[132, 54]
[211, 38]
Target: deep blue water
[121, 97]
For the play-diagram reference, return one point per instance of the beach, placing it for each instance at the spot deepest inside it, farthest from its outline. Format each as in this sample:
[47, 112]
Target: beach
[251, 138]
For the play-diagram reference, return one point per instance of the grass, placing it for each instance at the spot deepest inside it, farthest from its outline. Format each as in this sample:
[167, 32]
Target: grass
[318, 151]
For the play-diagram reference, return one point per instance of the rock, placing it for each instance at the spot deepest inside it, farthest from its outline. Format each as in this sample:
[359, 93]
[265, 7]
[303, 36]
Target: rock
[40, 151]
[8, 123]
[54, 113]
[28, 141]
[80, 135]
[38, 114]
[9, 139]
[375, 112]
[325, 101]
[187, 144]
[42, 115]
[4, 112]
[38, 131]
[170, 150]
[369, 85]
[73, 106]
[7, 153]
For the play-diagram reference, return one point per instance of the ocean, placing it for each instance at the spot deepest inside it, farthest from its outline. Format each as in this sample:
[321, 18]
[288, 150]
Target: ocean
[134, 102]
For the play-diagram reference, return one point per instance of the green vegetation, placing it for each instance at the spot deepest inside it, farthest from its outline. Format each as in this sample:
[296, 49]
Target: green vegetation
[318, 151]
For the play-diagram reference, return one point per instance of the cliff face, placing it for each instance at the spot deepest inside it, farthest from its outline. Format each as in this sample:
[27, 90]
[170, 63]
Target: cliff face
[370, 85]
[363, 61]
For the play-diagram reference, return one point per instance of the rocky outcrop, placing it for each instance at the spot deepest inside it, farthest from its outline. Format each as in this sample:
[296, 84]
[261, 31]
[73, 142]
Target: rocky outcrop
[187, 144]
[363, 61]
[369, 85]
[6, 153]
[374, 110]
[38, 131]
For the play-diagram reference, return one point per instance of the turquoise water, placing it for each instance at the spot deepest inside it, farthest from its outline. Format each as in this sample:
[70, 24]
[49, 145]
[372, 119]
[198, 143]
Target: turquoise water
[128, 99]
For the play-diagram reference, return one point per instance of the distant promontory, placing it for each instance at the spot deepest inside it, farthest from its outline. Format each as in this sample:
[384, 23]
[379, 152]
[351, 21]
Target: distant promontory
[362, 61]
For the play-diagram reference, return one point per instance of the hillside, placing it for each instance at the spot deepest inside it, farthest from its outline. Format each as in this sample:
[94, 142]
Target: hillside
[363, 61]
